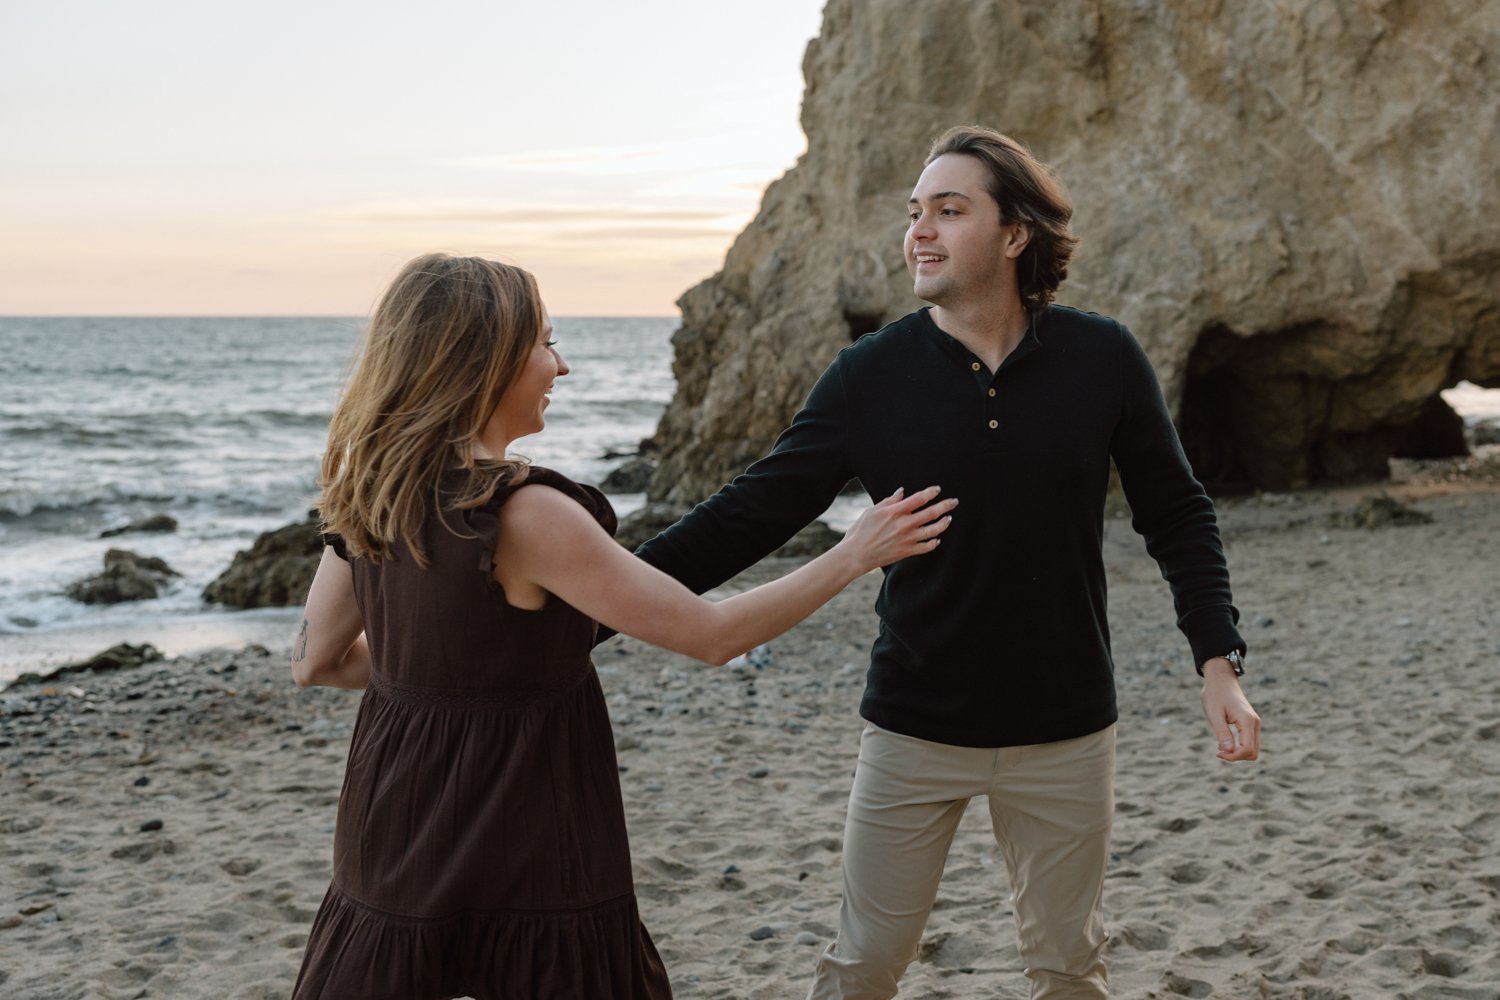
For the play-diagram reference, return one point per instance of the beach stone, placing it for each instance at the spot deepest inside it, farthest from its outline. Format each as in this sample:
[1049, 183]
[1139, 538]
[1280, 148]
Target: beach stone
[240, 866]
[276, 571]
[762, 934]
[19, 824]
[6, 923]
[759, 772]
[156, 523]
[1303, 305]
[151, 825]
[127, 576]
[1380, 511]
[14, 704]
[806, 937]
[136, 852]
[632, 477]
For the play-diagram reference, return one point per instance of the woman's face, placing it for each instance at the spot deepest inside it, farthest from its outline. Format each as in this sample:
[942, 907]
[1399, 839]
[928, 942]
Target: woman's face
[519, 411]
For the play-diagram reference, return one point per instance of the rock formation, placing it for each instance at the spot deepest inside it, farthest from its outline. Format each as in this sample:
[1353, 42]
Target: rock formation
[127, 576]
[156, 523]
[122, 656]
[631, 477]
[276, 571]
[647, 522]
[1292, 205]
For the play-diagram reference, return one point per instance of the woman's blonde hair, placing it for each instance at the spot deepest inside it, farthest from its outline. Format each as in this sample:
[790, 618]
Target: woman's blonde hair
[447, 339]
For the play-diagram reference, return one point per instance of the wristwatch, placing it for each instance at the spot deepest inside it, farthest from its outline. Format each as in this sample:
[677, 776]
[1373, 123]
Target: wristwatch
[1236, 661]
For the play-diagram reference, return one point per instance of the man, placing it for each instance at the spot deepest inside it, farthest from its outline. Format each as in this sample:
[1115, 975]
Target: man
[991, 674]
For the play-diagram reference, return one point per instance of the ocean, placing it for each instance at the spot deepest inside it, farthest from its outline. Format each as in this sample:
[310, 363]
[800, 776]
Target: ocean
[221, 424]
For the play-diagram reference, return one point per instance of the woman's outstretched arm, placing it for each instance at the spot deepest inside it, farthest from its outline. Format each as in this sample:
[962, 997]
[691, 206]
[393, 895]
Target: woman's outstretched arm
[547, 540]
[330, 650]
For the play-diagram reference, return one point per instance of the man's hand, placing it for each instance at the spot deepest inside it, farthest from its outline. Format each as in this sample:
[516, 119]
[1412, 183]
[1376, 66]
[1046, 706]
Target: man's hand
[1225, 705]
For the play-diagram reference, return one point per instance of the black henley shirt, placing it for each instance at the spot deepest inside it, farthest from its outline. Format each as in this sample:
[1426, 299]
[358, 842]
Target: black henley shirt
[999, 636]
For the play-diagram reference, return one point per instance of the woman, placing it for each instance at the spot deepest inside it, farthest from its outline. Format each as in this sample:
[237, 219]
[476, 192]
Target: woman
[480, 847]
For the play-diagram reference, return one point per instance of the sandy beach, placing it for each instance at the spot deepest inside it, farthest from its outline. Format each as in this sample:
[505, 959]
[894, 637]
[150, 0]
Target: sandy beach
[165, 831]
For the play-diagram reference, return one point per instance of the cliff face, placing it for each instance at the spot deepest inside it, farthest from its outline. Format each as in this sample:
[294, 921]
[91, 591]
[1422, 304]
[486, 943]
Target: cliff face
[1292, 205]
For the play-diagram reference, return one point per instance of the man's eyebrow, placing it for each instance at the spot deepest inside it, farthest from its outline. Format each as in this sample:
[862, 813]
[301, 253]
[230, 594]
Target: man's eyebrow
[914, 200]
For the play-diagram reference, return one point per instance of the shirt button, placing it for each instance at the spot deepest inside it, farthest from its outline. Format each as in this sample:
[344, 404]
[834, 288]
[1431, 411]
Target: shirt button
[975, 366]
[994, 424]
[992, 392]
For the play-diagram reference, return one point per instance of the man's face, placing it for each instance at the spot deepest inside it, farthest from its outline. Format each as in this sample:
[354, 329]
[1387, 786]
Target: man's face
[956, 247]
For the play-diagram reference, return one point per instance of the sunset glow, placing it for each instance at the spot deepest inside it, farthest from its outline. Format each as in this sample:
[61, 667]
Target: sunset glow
[179, 159]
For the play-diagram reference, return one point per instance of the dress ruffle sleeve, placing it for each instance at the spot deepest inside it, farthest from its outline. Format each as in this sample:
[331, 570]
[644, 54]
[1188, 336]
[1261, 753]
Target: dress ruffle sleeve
[483, 522]
[335, 541]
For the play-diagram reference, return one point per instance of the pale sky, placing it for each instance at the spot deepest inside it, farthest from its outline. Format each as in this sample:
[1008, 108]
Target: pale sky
[175, 158]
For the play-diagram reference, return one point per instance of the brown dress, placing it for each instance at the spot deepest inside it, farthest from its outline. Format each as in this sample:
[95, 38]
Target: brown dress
[480, 847]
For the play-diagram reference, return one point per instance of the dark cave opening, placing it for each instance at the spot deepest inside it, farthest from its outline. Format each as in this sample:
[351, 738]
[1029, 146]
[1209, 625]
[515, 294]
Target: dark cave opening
[1251, 420]
[862, 323]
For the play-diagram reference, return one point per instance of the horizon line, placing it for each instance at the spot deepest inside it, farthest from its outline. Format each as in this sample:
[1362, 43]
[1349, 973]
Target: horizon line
[295, 316]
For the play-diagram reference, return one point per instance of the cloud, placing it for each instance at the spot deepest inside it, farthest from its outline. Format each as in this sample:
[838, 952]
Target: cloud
[758, 152]
[418, 212]
[639, 234]
[588, 160]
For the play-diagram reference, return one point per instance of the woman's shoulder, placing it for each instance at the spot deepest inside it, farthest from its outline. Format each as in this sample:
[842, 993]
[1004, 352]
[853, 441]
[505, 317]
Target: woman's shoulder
[588, 497]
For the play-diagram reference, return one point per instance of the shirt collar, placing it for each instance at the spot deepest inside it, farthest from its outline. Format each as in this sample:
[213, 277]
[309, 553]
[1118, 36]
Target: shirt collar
[1030, 342]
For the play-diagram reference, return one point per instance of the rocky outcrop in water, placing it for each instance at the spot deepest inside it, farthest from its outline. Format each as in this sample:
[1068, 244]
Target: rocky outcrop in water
[155, 524]
[276, 571]
[127, 576]
[1292, 205]
[631, 477]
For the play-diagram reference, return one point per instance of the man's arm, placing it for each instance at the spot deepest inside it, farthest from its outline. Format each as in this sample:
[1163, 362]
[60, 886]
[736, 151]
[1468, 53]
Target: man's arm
[1170, 509]
[767, 504]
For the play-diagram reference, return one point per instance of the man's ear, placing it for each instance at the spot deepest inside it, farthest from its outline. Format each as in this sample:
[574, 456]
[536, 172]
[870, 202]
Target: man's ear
[1019, 240]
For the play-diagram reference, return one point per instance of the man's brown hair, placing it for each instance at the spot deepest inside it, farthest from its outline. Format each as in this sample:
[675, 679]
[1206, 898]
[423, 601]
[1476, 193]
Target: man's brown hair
[1028, 191]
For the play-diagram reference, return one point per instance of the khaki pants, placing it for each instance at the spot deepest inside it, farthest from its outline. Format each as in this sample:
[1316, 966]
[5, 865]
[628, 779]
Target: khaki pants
[1050, 804]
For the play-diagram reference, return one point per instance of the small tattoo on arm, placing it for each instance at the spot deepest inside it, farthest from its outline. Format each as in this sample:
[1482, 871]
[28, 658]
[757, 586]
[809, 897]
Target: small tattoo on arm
[299, 648]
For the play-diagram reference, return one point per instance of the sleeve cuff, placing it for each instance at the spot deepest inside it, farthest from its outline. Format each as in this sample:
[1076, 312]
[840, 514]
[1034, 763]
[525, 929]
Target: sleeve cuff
[1211, 632]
